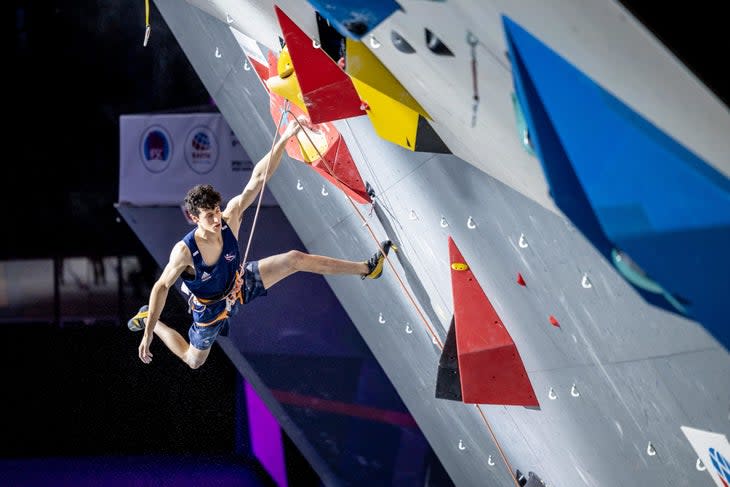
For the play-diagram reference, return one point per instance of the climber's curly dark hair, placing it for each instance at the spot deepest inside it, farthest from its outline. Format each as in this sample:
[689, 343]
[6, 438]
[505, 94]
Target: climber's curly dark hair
[201, 197]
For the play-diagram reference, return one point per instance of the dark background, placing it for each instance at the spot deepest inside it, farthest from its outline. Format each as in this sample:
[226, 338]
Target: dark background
[75, 67]
[80, 390]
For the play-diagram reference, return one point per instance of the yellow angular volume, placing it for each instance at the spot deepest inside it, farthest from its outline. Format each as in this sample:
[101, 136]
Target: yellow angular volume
[393, 112]
[286, 84]
[391, 120]
[366, 68]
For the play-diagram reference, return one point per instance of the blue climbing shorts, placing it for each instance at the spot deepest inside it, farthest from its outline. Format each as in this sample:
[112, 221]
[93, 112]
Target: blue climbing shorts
[202, 337]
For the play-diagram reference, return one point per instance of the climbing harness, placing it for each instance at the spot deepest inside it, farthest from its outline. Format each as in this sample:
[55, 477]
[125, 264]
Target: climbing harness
[231, 297]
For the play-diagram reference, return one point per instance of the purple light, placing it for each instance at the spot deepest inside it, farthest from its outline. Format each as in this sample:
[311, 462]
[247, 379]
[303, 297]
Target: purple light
[266, 441]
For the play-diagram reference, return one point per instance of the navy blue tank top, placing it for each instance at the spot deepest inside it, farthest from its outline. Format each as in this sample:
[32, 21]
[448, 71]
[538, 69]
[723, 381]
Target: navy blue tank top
[213, 281]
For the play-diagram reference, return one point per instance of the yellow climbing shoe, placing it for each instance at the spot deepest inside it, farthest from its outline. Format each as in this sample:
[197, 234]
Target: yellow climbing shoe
[375, 264]
[138, 321]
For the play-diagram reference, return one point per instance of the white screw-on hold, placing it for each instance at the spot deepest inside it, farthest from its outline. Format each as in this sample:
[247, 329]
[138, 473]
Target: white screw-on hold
[324, 191]
[699, 465]
[433, 340]
[523, 243]
[470, 223]
[461, 445]
[443, 222]
[409, 330]
[412, 215]
[490, 462]
[381, 320]
[574, 391]
[218, 53]
[650, 450]
[299, 185]
[316, 44]
[246, 66]
[552, 395]
[374, 43]
[229, 19]
[585, 282]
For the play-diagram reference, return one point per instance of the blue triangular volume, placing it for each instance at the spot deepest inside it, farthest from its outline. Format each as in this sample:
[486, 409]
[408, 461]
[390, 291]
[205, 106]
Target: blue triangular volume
[627, 185]
[355, 18]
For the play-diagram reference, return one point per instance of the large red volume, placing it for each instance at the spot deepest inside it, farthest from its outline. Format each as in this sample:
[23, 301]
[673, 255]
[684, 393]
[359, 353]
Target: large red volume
[327, 90]
[490, 367]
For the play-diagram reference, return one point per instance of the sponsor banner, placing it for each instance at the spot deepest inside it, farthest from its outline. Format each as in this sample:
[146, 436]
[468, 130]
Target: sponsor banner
[713, 451]
[163, 156]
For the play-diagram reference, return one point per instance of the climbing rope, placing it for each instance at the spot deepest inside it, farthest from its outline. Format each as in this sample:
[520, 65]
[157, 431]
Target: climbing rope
[429, 328]
[340, 184]
[263, 185]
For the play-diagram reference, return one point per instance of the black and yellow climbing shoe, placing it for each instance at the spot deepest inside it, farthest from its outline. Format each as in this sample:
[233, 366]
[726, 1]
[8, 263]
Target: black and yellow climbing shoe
[139, 321]
[375, 264]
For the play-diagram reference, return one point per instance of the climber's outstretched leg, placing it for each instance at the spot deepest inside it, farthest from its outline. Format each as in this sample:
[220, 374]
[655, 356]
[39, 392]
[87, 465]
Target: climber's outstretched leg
[276, 267]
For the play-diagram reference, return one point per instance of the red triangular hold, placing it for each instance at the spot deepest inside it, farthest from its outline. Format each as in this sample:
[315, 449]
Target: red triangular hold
[554, 321]
[327, 90]
[273, 70]
[338, 160]
[490, 366]
[521, 280]
[261, 70]
[338, 167]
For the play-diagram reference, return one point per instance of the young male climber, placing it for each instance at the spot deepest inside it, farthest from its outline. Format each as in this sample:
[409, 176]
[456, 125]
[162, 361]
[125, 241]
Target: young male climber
[208, 260]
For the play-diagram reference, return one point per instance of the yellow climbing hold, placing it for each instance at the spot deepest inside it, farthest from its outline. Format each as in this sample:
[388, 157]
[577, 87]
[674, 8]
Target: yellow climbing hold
[460, 266]
[285, 83]
[309, 152]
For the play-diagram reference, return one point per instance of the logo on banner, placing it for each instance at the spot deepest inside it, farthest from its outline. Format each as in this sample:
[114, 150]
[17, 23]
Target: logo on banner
[156, 149]
[201, 150]
[712, 450]
[721, 465]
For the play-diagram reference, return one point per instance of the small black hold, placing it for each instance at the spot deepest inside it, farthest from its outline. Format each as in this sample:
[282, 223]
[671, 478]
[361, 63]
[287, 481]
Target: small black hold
[520, 478]
[436, 46]
[400, 43]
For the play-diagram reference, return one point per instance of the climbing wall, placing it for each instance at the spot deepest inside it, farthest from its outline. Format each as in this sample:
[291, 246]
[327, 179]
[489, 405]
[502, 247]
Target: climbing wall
[615, 379]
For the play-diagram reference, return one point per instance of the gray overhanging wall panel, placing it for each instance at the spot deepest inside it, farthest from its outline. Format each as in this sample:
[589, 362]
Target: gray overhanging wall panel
[607, 337]
[602, 325]
[702, 375]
